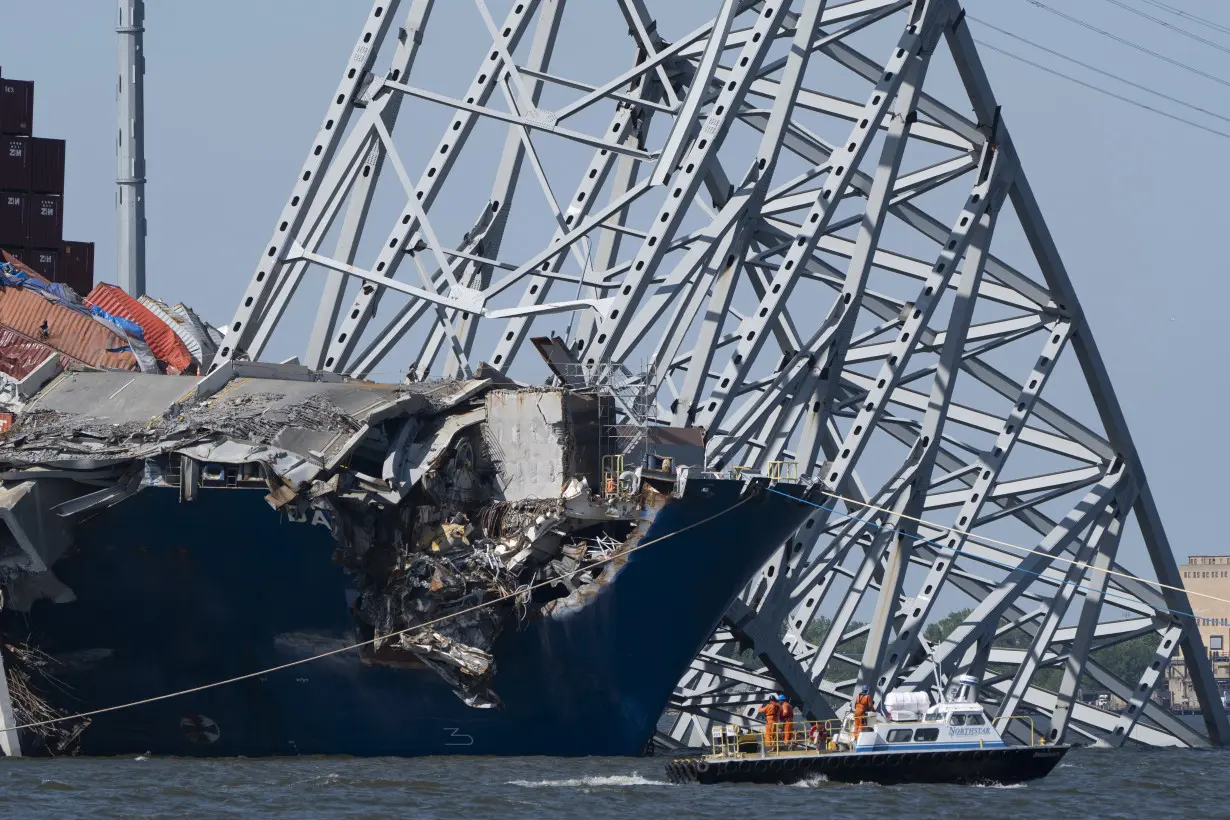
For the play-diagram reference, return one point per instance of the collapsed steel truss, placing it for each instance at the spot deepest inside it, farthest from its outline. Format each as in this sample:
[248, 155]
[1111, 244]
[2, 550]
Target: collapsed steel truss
[749, 213]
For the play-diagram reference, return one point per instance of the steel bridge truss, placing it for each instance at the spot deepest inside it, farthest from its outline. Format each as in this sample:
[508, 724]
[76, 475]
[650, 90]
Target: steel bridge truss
[748, 211]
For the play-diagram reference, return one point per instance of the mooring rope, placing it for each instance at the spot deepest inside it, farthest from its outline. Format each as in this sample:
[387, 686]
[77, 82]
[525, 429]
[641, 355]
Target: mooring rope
[370, 641]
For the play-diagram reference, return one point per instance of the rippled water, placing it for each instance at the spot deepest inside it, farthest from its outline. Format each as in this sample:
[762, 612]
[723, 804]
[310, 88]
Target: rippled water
[1089, 783]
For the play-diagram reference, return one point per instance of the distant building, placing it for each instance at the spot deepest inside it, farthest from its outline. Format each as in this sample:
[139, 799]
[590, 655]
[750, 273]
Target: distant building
[1205, 575]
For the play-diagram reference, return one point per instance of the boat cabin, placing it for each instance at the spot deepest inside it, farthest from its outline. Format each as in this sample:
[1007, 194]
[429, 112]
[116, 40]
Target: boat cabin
[909, 722]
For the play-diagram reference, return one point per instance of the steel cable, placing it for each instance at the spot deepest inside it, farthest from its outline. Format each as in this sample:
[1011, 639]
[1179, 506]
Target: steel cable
[1128, 43]
[1103, 72]
[1204, 21]
[1107, 92]
[1170, 26]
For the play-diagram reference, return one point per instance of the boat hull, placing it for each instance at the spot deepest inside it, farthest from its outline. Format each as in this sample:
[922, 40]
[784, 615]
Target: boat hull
[1009, 765]
[174, 596]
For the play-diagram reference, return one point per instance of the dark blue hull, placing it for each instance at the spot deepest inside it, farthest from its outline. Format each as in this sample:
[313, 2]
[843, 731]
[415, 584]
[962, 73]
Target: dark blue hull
[1004, 766]
[172, 596]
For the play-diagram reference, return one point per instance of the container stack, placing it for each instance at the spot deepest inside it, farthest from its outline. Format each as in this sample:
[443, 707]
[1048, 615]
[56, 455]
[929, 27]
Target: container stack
[32, 195]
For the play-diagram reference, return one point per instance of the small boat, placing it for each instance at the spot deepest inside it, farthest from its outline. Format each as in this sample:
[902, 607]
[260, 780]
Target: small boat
[952, 741]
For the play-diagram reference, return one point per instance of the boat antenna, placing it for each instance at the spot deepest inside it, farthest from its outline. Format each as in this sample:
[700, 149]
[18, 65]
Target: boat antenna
[939, 684]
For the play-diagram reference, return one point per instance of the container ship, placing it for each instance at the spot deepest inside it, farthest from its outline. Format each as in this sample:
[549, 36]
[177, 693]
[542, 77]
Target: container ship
[158, 540]
[312, 564]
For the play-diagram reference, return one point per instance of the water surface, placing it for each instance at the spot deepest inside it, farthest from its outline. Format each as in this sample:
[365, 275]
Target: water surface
[1090, 783]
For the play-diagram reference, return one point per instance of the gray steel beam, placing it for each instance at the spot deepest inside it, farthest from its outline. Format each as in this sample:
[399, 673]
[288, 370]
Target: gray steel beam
[1149, 679]
[924, 23]
[1046, 632]
[364, 189]
[683, 187]
[337, 116]
[988, 612]
[926, 449]
[10, 742]
[407, 224]
[976, 496]
[969, 66]
[1105, 538]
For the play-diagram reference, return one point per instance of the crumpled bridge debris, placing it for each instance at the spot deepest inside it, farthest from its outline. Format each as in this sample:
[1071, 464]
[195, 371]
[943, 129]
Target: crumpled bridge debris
[447, 499]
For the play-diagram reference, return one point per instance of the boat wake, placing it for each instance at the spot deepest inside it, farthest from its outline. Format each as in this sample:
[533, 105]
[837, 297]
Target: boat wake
[609, 781]
[817, 780]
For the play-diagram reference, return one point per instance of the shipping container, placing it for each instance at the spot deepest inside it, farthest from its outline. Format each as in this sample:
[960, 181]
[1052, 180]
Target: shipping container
[161, 339]
[46, 166]
[177, 325]
[14, 219]
[45, 262]
[19, 357]
[15, 162]
[77, 266]
[44, 221]
[74, 333]
[16, 107]
[13, 258]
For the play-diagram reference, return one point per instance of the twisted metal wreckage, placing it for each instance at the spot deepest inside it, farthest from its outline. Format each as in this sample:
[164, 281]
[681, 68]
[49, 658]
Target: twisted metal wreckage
[752, 217]
[430, 517]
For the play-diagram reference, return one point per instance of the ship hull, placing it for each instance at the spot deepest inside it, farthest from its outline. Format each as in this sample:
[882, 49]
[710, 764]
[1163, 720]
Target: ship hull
[173, 596]
[1004, 766]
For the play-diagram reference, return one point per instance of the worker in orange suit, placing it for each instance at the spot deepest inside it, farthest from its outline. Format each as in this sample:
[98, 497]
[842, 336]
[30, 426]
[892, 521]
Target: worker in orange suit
[862, 705]
[772, 713]
[787, 718]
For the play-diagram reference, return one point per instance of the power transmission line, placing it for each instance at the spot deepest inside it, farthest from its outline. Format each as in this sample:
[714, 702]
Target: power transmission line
[1188, 16]
[1101, 90]
[1170, 26]
[1103, 72]
[1128, 43]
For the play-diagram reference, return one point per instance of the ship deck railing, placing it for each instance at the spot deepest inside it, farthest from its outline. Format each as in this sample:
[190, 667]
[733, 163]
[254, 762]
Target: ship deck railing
[781, 738]
[1036, 738]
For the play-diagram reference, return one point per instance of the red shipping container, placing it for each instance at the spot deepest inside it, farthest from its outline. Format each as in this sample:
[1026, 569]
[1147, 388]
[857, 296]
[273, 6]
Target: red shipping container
[44, 221]
[14, 218]
[77, 266]
[46, 166]
[19, 356]
[74, 333]
[16, 107]
[161, 339]
[15, 159]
